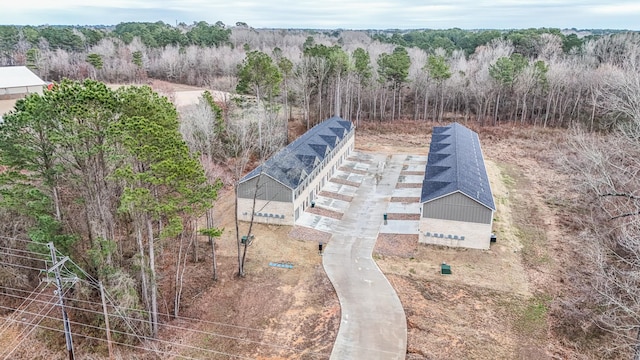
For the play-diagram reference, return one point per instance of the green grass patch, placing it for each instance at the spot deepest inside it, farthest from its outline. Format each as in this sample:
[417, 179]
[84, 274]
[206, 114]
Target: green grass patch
[531, 316]
[534, 245]
[508, 181]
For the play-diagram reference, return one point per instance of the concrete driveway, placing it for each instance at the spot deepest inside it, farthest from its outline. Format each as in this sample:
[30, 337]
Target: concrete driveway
[373, 323]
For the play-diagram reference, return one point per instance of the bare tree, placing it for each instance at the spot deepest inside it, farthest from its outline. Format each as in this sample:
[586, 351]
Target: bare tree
[243, 147]
[607, 170]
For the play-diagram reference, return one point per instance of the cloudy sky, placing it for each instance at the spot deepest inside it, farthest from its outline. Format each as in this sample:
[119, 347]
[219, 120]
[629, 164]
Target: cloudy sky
[330, 14]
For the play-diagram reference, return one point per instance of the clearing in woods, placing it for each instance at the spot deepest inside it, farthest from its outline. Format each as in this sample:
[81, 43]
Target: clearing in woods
[494, 305]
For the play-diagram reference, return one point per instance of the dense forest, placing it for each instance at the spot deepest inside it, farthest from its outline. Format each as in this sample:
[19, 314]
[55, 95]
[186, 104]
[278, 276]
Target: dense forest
[543, 76]
[113, 177]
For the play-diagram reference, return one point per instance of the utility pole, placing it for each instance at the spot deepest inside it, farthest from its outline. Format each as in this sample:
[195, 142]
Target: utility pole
[106, 321]
[65, 319]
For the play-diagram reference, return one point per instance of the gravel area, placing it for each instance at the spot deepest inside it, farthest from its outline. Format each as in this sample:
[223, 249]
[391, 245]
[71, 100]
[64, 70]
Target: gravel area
[336, 196]
[408, 185]
[344, 182]
[400, 216]
[325, 212]
[305, 233]
[401, 245]
[405, 199]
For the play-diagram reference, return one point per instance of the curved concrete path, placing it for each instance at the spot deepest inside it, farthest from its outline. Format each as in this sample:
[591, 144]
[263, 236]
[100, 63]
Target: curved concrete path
[373, 324]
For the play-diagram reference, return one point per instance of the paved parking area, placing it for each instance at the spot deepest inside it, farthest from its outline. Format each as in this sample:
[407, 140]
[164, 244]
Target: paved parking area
[414, 167]
[349, 176]
[373, 324]
[375, 165]
[356, 165]
[399, 227]
[331, 204]
[341, 189]
[411, 179]
[317, 222]
[407, 192]
[417, 159]
[403, 208]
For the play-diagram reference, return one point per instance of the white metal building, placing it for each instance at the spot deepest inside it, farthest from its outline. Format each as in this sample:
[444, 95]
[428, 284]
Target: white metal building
[287, 183]
[457, 203]
[18, 81]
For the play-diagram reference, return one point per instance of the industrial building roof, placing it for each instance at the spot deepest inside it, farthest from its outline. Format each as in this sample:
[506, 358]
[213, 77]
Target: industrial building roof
[296, 161]
[455, 164]
[17, 76]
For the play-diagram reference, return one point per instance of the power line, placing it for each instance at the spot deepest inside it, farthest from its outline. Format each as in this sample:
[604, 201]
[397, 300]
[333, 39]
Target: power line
[39, 255]
[160, 314]
[23, 304]
[30, 331]
[21, 240]
[283, 347]
[65, 319]
[123, 344]
[184, 317]
[23, 257]
[20, 266]
[94, 283]
[124, 333]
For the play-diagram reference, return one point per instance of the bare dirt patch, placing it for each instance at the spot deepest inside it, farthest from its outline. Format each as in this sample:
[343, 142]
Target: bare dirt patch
[6, 106]
[344, 182]
[408, 185]
[308, 234]
[336, 196]
[325, 212]
[401, 245]
[402, 216]
[404, 199]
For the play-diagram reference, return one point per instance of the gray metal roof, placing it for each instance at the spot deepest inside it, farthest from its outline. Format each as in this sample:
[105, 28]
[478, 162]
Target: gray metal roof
[296, 161]
[18, 76]
[455, 164]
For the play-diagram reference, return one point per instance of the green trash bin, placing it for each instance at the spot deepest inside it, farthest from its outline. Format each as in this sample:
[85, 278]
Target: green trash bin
[385, 216]
[247, 241]
[445, 269]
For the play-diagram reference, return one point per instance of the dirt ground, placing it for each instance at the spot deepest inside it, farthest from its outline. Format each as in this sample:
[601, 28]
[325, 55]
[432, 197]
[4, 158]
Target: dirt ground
[494, 305]
[6, 106]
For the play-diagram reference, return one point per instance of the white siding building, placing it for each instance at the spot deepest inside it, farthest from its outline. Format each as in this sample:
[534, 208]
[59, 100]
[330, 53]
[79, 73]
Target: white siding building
[287, 183]
[18, 81]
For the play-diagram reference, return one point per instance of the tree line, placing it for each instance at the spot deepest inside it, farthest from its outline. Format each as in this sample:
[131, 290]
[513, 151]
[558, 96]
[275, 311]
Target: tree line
[535, 76]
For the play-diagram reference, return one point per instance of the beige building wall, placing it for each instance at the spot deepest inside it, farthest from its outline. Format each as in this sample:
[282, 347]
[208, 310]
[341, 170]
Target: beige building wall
[305, 193]
[266, 212]
[444, 232]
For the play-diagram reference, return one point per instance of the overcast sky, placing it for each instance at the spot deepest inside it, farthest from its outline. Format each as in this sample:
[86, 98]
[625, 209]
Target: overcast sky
[331, 14]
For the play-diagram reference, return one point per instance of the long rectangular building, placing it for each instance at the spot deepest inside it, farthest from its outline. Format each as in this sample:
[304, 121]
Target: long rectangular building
[279, 190]
[457, 203]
